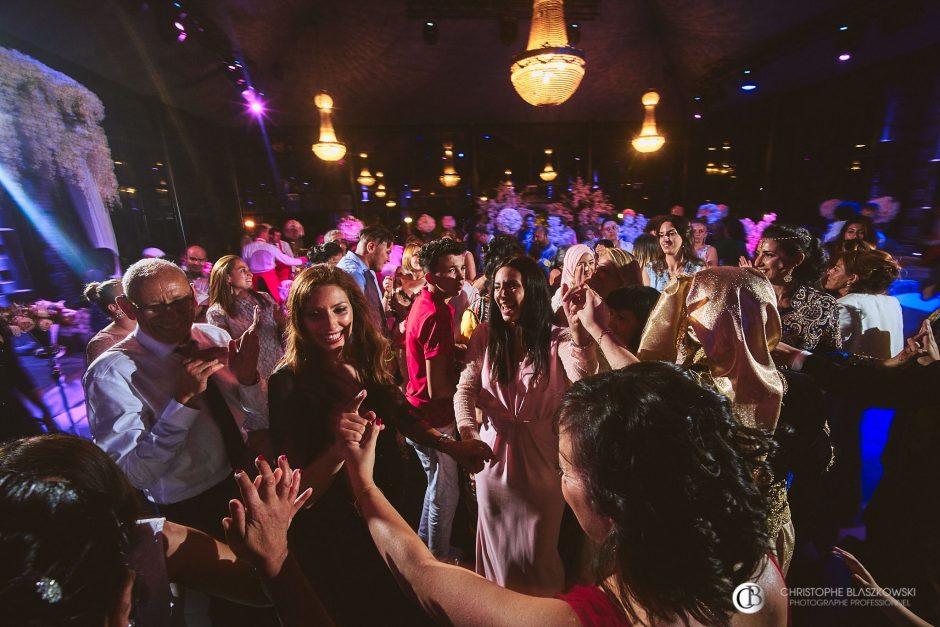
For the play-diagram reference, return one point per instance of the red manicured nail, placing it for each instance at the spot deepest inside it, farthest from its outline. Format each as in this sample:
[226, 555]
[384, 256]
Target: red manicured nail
[378, 422]
[282, 458]
[260, 458]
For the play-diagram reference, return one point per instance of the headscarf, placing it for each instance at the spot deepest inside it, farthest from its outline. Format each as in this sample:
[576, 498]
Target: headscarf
[572, 257]
[727, 318]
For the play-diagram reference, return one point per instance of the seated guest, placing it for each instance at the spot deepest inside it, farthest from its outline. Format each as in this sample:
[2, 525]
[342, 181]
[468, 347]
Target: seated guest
[262, 257]
[160, 552]
[635, 474]
[169, 403]
[104, 296]
[870, 321]
[630, 307]
[328, 252]
[364, 263]
[235, 306]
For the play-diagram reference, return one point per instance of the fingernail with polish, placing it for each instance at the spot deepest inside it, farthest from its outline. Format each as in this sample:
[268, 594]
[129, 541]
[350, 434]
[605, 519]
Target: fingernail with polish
[260, 458]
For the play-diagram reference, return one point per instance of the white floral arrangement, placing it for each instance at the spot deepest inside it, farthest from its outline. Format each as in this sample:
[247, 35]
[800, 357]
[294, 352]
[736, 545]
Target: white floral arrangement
[888, 209]
[449, 223]
[50, 126]
[559, 233]
[827, 209]
[508, 221]
[350, 227]
[43, 315]
[755, 230]
[634, 225]
[712, 212]
[426, 224]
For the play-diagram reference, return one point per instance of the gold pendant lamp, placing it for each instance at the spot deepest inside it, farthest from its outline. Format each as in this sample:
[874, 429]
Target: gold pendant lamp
[549, 71]
[327, 147]
[649, 139]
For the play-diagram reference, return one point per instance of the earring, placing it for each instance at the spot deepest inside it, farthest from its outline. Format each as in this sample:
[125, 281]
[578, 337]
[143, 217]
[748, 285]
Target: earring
[788, 277]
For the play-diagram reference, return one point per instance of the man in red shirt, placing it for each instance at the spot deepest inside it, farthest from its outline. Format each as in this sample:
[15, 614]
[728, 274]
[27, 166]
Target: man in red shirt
[432, 371]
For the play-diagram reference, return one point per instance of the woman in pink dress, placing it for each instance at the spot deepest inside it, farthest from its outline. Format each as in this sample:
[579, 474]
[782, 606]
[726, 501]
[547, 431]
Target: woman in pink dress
[518, 367]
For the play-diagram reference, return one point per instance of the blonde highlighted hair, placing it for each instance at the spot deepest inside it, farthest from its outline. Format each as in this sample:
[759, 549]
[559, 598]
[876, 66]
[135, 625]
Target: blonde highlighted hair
[221, 292]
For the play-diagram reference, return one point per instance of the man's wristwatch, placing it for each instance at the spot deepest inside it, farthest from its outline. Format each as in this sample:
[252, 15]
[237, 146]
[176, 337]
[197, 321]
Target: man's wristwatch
[444, 438]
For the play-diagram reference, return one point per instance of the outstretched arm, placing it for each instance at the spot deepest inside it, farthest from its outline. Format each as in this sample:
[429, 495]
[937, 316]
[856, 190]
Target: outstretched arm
[450, 594]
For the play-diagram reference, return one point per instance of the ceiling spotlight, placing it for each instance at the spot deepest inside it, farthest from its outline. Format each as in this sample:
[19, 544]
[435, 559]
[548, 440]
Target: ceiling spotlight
[256, 107]
[747, 82]
[430, 32]
[574, 33]
[847, 41]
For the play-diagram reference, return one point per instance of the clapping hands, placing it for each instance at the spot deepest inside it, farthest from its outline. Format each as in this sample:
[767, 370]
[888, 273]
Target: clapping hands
[243, 352]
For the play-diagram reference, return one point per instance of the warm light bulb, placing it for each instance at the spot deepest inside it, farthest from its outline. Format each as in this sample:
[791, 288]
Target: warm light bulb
[249, 223]
[328, 148]
[649, 139]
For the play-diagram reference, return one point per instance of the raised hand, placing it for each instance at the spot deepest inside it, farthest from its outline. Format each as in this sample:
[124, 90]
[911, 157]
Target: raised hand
[349, 424]
[360, 456]
[194, 377]
[257, 525]
[744, 262]
[860, 575]
[243, 352]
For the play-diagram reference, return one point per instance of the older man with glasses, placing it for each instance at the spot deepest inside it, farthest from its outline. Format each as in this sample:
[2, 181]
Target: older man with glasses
[172, 402]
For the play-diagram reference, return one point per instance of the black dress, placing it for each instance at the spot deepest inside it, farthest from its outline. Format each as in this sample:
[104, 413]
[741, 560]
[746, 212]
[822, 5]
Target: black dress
[330, 539]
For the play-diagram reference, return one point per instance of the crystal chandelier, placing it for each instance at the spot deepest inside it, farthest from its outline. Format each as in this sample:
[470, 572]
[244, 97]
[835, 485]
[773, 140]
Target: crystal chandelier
[365, 177]
[548, 173]
[649, 139]
[550, 70]
[449, 178]
[327, 147]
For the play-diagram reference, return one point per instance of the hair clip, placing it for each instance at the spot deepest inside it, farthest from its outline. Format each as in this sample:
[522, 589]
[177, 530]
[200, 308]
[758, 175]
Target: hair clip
[49, 590]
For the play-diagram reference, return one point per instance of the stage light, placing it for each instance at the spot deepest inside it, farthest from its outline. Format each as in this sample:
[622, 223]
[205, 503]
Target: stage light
[845, 56]
[256, 107]
[697, 116]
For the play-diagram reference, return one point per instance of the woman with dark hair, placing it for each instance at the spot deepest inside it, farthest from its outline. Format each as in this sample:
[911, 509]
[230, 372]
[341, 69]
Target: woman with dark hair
[793, 261]
[234, 306]
[103, 295]
[500, 248]
[65, 555]
[730, 242]
[676, 255]
[658, 472]
[518, 366]
[334, 369]
[645, 249]
[159, 551]
[327, 252]
[859, 228]
[871, 322]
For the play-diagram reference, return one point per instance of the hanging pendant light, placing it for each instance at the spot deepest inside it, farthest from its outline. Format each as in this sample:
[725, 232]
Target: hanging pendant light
[449, 178]
[548, 173]
[508, 182]
[380, 188]
[365, 177]
[327, 147]
[549, 71]
[649, 139]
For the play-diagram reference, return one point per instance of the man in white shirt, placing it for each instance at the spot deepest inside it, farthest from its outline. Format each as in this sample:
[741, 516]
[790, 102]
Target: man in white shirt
[261, 256]
[171, 401]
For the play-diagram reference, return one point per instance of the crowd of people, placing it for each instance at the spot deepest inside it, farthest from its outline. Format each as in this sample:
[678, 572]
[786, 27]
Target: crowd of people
[633, 431]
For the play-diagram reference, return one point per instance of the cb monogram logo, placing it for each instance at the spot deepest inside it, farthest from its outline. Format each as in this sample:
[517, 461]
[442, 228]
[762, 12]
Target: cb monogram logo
[748, 598]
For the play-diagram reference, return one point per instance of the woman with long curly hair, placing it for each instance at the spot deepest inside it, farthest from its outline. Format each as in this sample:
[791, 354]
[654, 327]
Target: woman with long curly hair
[334, 371]
[676, 255]
[660, 474]
[232, 304]
[518, 366]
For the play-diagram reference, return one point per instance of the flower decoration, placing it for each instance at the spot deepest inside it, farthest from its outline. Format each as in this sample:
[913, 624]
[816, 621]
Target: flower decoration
[50, 126]
[634, 225]
[350, 228]
[42, 315]
[755, 230]
[827, 209]
[508, 221]
[887, 209]
[712, 212]
[426, 223]
[449, 223]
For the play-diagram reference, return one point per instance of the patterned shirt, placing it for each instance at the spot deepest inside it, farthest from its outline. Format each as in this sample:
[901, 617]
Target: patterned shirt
[811, 322]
